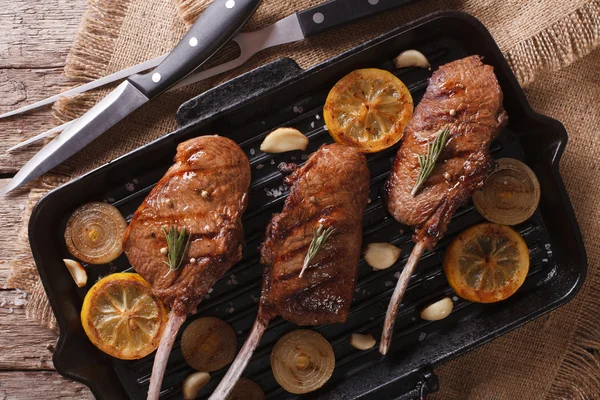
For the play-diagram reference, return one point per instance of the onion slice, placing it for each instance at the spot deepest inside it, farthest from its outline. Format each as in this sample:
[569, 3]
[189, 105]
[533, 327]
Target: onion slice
[510, 194]
[208, 344]
[246, 389]
[302, 361]
[94, 233]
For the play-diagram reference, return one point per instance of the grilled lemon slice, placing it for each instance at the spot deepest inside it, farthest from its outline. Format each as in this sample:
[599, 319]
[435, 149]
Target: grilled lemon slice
[486, 263]
[122, 317]
[368, 109]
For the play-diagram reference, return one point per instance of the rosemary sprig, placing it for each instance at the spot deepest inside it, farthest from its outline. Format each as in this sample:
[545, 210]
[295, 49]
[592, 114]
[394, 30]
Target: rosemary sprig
[177, 245]
[427, 161]
[317, 243]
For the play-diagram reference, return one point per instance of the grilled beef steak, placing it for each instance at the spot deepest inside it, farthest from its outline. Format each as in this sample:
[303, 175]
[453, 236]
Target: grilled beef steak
[330, 190]
[205, 191]
[470, 89]
[464, 96]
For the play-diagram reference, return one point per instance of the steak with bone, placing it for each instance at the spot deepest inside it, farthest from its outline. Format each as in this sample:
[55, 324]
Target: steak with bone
[205, 192]
[330, 190]
[464, 96]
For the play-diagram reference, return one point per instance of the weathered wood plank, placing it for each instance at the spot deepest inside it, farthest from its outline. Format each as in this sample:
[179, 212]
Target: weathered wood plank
[36, 37]
[19, 87]
[11, 220]
[38, 33]
[21, 385]
[25, 345]
[27, 85]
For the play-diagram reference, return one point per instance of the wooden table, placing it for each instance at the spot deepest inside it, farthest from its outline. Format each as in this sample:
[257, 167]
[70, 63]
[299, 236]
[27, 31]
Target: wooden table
[34, 42]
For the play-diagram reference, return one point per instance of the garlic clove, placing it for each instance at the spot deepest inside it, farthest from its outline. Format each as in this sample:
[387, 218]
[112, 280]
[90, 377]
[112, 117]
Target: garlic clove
[194, 383]
[77, 272]
[381, 255]
[411, 58]
[362, 342]
[438, 310]
[284, 139]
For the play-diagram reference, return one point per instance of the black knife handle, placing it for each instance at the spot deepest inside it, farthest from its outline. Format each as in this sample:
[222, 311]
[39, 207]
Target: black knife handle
[213, 28]
[337, 12]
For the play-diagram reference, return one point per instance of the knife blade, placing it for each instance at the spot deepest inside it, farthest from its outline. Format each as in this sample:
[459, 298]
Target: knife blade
[290, 29]
[41, 136]
[215, 26]
[110, 110]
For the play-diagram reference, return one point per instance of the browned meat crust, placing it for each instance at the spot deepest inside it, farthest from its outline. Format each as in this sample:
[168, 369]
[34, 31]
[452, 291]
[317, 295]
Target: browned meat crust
[205, 191]
[470, 88]
[331, 189]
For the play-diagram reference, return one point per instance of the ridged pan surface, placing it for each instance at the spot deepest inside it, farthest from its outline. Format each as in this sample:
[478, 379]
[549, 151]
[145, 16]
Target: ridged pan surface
[281, 94]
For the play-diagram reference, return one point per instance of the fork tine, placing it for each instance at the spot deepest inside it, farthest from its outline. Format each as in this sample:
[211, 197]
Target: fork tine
[40, 136]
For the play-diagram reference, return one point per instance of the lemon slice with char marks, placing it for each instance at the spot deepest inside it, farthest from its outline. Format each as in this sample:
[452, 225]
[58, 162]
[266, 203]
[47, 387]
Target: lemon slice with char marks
[122, 317]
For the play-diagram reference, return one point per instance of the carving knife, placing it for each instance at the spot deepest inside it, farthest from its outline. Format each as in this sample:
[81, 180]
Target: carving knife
[290, 29]
[215, 26]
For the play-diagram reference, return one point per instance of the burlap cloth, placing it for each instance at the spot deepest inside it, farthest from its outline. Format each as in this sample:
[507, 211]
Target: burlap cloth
[548, 45]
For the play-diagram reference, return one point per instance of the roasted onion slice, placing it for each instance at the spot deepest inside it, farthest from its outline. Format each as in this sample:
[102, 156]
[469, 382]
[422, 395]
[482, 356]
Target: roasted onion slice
[510, 195]
[94, 233]
[302, 361]
[208, 344]
[246, 389]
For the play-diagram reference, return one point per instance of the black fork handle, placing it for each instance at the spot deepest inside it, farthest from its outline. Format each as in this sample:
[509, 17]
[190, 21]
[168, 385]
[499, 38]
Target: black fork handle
[334, 13]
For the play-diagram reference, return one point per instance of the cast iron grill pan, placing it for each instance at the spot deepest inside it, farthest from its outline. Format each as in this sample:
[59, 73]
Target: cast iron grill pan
[281, 94]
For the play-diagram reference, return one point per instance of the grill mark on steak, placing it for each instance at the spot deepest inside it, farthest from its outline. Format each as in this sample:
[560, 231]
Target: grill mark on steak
[322, 263]
[202, 235]
[302, 249]
[300, 224]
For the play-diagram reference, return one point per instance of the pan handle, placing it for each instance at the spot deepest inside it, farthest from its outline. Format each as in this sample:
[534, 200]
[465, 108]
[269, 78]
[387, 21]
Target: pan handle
[242, 88]
[428, 383]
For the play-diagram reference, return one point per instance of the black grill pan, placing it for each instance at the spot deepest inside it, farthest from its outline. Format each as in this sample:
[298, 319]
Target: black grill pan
[281, 94]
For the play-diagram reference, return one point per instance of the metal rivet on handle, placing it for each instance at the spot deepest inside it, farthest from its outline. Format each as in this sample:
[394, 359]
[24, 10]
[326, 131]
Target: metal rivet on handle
[193, 42]
[373, 2]
[230, 4]
[318, 18]
[156, 77]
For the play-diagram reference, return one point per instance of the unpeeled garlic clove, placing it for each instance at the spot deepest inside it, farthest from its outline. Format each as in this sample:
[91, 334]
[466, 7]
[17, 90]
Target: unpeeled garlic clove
[381, 255]
[362, 342]
[77, 272]
[411, 58]
[438, 310]
[284, 139]
[194, 383]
